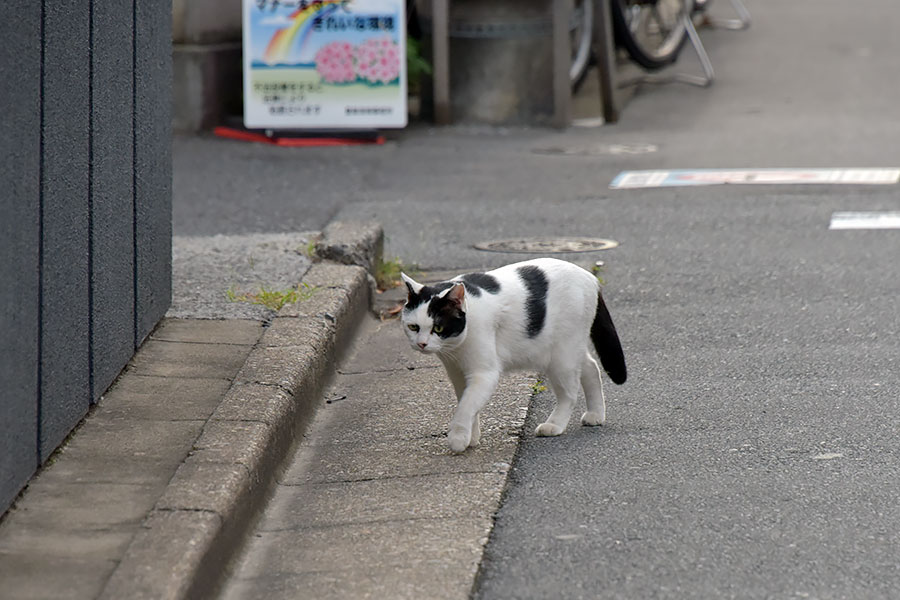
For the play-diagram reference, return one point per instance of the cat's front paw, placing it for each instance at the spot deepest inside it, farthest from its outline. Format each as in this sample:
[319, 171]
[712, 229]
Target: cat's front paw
[459, 439]
[592, 419]
[548, 430]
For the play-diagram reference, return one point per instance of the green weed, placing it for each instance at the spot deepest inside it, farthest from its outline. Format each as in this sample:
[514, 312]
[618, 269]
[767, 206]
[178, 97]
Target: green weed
[416, 64]
[272, 299]
[309, 251]
[387, 272]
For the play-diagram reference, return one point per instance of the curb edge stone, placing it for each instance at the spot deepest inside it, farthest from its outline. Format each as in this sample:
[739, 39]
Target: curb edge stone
[197, 526]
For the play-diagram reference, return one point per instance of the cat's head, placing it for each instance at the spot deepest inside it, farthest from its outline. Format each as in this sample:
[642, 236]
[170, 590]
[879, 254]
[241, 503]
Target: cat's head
[434, 317]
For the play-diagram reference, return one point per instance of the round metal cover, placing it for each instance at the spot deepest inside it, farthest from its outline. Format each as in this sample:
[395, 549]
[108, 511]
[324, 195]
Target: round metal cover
[547, 245]
[597, 150]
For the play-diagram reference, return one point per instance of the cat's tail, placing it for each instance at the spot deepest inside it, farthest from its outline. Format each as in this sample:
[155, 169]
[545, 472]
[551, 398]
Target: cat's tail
[606, 342]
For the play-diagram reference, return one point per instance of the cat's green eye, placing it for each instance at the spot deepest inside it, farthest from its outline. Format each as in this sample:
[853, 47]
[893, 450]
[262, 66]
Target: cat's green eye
[413, 327]
[437, 328]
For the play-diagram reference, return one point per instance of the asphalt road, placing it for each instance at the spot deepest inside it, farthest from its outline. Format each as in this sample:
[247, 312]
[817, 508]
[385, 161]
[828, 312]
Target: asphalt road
[754, 451]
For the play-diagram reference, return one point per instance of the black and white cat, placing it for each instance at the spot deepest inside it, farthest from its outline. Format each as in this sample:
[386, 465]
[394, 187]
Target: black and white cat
[538, 315]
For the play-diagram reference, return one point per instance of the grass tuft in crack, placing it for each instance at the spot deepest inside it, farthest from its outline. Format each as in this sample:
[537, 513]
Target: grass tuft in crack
[387, 272]
[272, 299]
[538, 386]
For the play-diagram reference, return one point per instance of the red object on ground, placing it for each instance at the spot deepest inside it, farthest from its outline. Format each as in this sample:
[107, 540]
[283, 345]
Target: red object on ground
[246, 135]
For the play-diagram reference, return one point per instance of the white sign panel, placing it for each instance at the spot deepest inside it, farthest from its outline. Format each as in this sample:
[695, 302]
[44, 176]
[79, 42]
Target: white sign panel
[865, 220]
[324, 64]
[645, 179]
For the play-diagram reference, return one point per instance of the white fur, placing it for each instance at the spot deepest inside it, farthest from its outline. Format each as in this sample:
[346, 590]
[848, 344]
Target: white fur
[495, 341]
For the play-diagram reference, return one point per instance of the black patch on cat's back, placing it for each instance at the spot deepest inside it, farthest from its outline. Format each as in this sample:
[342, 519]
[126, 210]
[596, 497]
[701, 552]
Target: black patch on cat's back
[536, 303]
[475, 282]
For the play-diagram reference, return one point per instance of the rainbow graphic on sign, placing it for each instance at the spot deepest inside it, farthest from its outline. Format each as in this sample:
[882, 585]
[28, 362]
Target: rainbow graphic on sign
[301, 24]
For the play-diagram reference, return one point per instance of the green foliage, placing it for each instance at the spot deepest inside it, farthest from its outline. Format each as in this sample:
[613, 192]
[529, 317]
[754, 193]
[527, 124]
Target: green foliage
[272, 299]
[538, 386]
[387, 273]
[416, 65]
[597, 269]
[309, 251]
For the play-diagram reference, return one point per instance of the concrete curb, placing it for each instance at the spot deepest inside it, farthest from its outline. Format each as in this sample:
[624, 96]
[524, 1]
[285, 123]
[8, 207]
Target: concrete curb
[197, 526]
[351, 243]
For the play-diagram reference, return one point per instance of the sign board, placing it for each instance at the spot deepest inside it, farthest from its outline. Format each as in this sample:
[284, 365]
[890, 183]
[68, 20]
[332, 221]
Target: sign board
[324, 64]
[645, 179]
[865, 220]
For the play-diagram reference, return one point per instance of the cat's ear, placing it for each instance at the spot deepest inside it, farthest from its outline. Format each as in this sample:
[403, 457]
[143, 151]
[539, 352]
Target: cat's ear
[412, 285]
[457, 296]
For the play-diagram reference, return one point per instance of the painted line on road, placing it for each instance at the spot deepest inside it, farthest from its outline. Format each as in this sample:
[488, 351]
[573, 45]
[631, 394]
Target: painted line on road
[686, 177]
[865, 220]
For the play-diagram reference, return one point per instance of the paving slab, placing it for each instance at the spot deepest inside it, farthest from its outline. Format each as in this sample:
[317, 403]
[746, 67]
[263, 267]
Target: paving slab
[123, 454]
[186, 359]
[398, 581]
[454, 542]
[60, 578]
[374, 407]
[60, 539]
[223, 331]
[90, 505]
[390, 458]
[389, 498]
[154, 398]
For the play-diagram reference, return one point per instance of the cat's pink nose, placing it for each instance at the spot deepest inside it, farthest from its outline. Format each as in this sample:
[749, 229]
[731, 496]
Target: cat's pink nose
[422, 345]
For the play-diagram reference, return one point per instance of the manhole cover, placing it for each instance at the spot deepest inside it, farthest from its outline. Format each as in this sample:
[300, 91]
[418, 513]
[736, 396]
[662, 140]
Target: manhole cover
[547, 245]
[597, 150]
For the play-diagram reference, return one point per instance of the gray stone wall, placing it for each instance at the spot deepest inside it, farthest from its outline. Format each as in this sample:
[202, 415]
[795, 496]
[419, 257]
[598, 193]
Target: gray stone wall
[85, 210]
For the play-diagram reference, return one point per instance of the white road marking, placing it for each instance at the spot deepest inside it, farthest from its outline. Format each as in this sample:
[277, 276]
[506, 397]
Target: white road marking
[865, 220]
[828, 456]
[684, 177]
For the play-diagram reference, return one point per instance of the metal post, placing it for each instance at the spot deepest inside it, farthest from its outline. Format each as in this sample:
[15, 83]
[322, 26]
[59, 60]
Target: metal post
[440, 39]
[605, 51]
[562, 57]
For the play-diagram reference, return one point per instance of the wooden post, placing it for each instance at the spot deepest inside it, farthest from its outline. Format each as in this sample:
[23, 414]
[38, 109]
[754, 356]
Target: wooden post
[440, 40]
[562, 58]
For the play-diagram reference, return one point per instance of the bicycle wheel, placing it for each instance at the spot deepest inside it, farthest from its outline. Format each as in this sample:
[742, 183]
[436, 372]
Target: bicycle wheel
[581, 32]
[652, 31]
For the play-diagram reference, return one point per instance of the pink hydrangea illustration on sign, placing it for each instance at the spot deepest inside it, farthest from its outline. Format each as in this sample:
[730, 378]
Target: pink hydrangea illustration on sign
[335, 62]
[378, 60]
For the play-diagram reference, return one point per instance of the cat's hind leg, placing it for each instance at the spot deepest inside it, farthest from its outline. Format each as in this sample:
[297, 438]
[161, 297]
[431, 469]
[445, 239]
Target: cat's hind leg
[565, 386]
[592, 383]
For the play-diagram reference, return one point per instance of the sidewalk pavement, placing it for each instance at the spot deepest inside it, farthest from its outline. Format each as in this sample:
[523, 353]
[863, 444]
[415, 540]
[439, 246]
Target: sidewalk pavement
[153, 491]
[373, 504]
